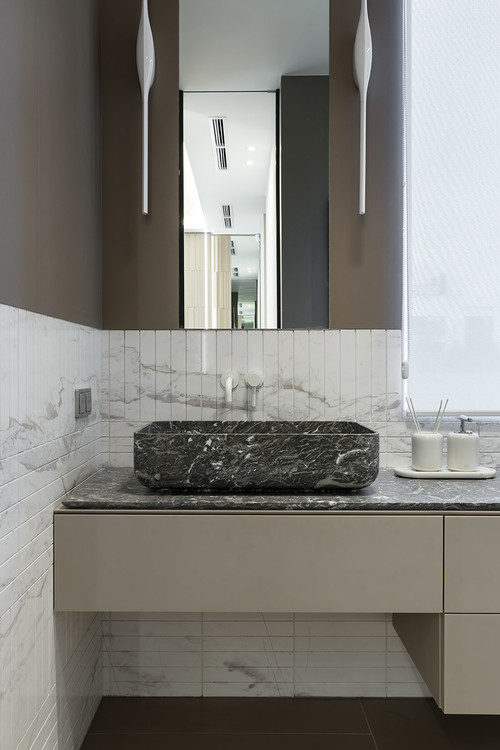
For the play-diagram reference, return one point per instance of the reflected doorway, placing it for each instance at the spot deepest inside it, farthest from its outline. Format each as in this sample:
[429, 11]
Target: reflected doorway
[230, 210]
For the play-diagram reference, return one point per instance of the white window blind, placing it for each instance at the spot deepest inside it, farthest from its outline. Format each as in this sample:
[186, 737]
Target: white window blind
[453, 168]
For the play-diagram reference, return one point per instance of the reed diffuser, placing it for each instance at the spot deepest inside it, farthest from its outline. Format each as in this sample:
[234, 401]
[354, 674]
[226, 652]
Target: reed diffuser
[427, 446]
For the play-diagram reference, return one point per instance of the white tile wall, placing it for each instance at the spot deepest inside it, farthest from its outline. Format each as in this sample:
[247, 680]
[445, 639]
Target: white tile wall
[51, 669]
[50, 665]
[255, 654]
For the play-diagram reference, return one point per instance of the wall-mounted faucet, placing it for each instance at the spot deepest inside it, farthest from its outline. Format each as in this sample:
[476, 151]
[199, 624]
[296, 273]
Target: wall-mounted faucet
[229, 381]
[254, 381]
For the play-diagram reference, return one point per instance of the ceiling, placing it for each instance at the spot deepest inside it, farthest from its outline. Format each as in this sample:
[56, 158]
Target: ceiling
[235, 45]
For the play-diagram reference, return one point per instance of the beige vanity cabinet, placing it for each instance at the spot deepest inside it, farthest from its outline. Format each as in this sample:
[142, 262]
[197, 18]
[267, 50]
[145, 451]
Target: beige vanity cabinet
[458, 652]
[472, 564]
[253, 562]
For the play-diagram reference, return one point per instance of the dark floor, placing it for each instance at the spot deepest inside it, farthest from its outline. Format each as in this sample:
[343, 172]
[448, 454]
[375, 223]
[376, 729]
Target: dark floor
[279, 723]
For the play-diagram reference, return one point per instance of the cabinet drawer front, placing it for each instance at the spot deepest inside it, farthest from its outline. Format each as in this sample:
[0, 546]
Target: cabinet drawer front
[472, 561]
[471, 666]
[183, 563]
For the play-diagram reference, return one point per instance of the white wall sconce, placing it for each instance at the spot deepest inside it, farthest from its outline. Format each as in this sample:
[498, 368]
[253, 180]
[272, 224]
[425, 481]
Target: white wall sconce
[145, 55]
[362, 65]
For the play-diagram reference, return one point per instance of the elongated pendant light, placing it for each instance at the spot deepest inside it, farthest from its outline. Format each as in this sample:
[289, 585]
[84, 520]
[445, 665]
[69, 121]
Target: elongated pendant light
[145, 54]
[362, 69]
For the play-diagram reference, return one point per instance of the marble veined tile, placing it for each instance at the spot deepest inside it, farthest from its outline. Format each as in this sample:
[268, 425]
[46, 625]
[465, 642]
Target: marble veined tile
[270, 373]
[285, 376]
[163, 377]
[209, 385]
[301, 383]
[132, 411]
[363, 376]
[193, 379]
[348, 375]
[147, 360]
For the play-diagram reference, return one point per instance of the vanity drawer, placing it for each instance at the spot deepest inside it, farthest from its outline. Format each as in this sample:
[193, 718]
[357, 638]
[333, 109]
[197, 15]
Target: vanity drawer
[217, 562]
[471, 669]
[472, 562]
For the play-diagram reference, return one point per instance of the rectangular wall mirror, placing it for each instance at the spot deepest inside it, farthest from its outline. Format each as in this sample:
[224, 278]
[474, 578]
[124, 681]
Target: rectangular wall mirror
[254, 78]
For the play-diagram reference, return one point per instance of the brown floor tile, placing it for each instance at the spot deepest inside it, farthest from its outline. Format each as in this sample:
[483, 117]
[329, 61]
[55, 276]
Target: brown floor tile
[219, 715]
[213, 741]
[417, 724]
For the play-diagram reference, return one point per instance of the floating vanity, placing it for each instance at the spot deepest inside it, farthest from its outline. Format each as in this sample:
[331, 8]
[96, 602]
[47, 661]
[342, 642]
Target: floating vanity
[426, 550]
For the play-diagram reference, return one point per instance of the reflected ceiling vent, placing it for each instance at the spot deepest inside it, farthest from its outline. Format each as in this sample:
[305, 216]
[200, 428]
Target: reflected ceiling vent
[233, 248]
[227, 215]
[219, 142]
[235, 271]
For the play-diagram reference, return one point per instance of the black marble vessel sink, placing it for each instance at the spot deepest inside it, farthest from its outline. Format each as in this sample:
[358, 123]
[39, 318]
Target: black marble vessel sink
[255, 456]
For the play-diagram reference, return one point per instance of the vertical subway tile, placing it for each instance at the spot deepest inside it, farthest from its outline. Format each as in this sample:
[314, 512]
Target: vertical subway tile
[23, 381]
[379, 375]
[393, 375]
[30, 379]
[4, 379]
[163, 376]
[301, 388]
[348, 375]
[317, 375]
[105, 375]
[256, 364]
[12, 401]
[147, 372]
[193, 379]
[5, 681]
[117, 374]
[363, 376]
[270, 373]
[132, 411]
[285, 375]
[332, 375]
[178, 376]
[224, 364]
[239, 364]
[209, 389]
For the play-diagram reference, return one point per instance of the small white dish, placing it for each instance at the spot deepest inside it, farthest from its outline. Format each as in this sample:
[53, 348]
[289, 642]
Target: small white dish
[484, 472]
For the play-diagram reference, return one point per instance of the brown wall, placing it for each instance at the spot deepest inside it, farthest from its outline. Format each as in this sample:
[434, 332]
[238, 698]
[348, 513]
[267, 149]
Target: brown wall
[366, 251]
[140, 253]
[50, 258]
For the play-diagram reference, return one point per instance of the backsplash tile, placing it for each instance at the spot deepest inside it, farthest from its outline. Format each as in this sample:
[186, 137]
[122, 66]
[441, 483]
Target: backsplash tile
[308, 375]
[50, 663]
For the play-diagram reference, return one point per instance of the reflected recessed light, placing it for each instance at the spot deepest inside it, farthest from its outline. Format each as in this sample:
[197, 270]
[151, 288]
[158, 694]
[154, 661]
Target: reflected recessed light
[250, 148]
[249, 163]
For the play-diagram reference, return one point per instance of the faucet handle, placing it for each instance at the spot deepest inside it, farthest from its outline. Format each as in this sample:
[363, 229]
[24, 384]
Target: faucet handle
[254, 380]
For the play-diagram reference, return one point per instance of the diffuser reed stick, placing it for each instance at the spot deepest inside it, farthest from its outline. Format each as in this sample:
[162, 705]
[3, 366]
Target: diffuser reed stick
[413, 414]
[442, 415]
[437, 415]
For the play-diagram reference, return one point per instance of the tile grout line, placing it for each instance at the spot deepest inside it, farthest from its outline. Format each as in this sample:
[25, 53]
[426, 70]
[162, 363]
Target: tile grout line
[368, 725]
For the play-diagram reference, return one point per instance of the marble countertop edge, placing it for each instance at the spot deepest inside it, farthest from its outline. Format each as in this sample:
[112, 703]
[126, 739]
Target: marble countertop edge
[119, 489]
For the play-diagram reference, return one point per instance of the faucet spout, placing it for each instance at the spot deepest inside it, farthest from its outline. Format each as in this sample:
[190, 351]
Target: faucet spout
[229, 381]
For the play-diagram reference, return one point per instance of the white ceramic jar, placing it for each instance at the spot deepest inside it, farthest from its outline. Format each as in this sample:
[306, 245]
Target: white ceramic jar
[427, 451]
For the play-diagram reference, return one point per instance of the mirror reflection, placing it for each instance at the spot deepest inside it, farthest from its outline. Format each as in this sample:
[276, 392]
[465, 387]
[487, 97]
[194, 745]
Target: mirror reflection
[239, 201]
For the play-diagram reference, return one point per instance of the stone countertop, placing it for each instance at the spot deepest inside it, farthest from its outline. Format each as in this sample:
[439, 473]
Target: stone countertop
[118, 489]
